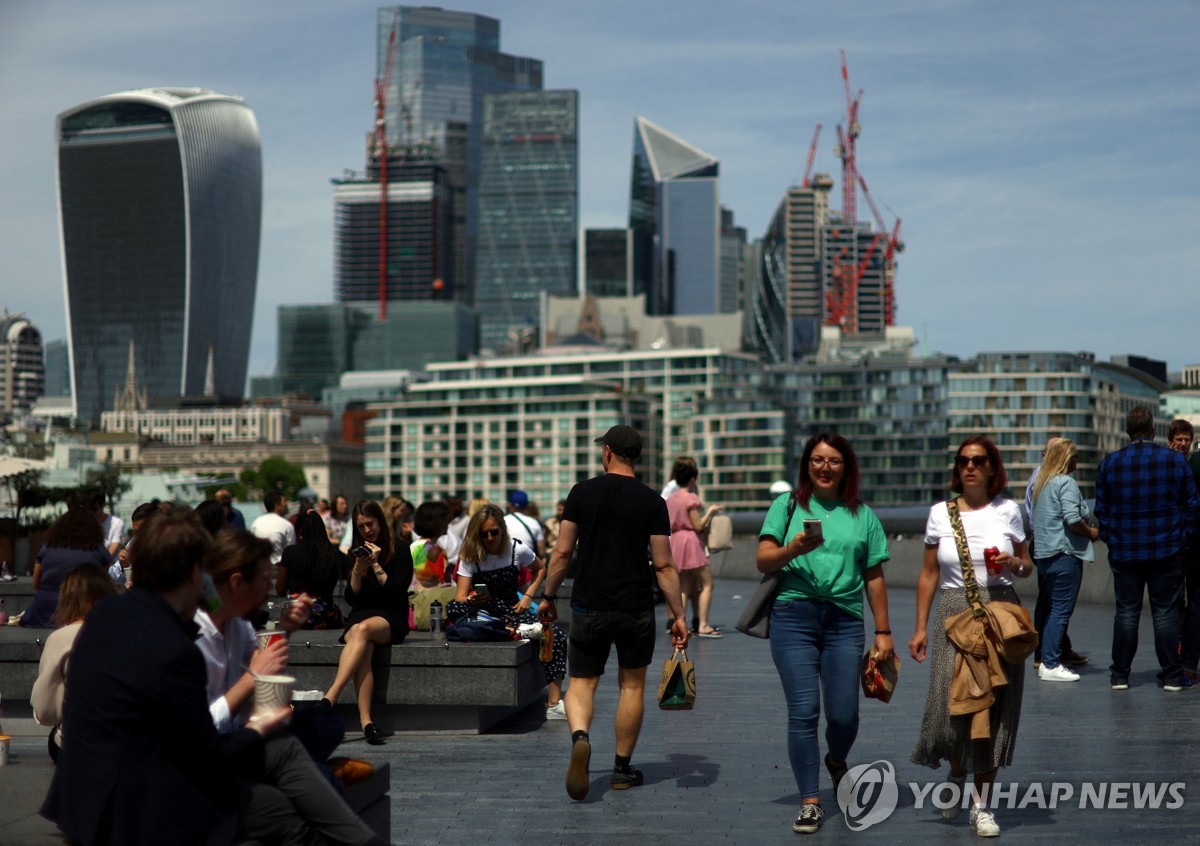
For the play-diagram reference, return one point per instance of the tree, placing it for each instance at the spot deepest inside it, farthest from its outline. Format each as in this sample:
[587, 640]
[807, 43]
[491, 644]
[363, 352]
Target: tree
[27, 491]
[275, 474]
[108, 481]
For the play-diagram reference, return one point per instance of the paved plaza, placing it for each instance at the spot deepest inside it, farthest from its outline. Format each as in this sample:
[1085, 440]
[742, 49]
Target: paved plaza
[720, 774]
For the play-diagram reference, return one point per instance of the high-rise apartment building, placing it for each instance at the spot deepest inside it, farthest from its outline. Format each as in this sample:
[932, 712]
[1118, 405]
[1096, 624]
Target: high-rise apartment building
[419, 233]
[22, 366]
[733, 254]
[528, 211]
[675, 213]
[445, 63]
[160, 196]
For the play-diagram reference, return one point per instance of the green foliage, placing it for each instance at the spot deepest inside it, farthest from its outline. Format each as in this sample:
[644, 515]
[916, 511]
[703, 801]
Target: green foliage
[274, 474]
[108, 481]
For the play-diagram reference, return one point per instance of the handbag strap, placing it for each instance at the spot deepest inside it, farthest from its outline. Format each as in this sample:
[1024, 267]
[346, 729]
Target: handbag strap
[964, 559]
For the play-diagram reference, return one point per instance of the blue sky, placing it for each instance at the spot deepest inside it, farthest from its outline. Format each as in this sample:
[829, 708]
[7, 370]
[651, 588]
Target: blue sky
[1045, 157]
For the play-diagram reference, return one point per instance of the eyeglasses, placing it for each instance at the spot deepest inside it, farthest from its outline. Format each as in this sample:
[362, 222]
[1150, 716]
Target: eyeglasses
[818, 462]
[489, 533]
[977, 461]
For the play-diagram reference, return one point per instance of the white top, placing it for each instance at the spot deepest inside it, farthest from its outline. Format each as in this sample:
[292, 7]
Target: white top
[277, 530]
[669, 488]
[114, 530]
[224, 654]
[997, 524]
[524, 528]
[524, 557]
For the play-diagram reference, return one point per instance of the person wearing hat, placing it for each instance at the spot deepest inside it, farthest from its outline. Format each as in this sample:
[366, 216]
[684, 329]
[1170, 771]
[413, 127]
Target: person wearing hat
[614, 517]
[522, 526]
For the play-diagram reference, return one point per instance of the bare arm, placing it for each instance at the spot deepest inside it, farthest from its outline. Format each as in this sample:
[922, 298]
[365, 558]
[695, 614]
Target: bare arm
[281, 580]
[560, 560]
[878, 600]
[668, 583]
[773, 556]
[700, 521]
[926, 587]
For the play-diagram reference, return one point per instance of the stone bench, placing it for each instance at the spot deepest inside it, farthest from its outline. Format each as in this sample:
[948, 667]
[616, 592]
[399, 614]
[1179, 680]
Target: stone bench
[422, 684]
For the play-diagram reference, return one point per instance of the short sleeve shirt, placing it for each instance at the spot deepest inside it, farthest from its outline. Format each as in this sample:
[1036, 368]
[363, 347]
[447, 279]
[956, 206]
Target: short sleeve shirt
[833, 572]
[997, 524]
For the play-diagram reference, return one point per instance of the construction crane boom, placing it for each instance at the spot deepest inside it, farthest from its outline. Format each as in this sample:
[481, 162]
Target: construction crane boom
[847, 148]
[812, 155]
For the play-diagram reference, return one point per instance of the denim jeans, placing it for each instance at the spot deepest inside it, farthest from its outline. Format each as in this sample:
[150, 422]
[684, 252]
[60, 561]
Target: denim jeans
[816, 647]
[1060, 577]
[1041, 613]
[1163, 580]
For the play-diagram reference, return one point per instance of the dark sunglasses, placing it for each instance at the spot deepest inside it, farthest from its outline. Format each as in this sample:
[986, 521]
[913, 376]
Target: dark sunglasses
[489, 533]
[979, 461]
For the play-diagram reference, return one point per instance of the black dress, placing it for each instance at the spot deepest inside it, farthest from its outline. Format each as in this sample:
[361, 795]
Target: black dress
[389, 601]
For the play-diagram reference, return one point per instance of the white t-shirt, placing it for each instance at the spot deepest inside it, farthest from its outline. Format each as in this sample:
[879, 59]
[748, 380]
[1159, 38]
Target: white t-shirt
[523, 557]
[998, 524]
[114, 529]
[224, 654]
[669, 488]
[277, 530]
[524, 528]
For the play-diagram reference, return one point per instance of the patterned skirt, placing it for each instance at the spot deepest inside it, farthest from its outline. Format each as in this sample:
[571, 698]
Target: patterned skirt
[946, 738]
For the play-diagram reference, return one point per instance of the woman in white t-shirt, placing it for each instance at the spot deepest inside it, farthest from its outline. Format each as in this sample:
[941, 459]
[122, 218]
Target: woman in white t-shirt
[490, 557]
[989, 522]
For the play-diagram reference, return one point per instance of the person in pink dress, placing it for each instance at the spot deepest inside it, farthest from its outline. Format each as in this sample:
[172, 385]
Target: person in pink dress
[690, 519]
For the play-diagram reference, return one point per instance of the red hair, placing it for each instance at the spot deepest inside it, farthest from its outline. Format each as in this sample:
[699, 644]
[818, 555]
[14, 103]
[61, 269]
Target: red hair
[847, 489]
[999, 478]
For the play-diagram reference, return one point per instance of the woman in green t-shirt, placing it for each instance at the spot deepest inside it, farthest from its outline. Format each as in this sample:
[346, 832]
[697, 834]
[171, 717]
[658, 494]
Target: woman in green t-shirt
[829, 546]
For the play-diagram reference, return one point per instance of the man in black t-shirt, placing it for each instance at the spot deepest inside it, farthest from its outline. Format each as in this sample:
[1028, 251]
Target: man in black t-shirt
[614, 518]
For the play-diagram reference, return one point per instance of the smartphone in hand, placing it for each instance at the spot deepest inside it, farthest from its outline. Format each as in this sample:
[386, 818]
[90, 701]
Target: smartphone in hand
[812, 528]
[482, 591]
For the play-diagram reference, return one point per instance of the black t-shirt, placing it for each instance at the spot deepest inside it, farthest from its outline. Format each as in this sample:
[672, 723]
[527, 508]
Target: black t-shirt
[616, 515]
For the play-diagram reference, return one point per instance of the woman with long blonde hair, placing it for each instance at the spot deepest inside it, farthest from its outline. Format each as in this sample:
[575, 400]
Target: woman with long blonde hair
[1061, 524]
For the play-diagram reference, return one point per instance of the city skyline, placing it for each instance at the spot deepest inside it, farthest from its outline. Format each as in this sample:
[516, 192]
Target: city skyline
[1039, 156]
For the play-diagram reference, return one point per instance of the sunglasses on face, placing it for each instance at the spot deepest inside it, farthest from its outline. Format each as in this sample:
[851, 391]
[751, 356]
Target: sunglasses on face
[977, 461]
[486, 534]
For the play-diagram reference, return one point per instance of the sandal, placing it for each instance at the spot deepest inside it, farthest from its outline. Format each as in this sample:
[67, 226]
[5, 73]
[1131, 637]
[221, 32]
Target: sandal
[715, 633]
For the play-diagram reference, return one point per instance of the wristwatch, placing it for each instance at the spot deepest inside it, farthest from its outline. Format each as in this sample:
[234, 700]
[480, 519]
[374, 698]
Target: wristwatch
[549, 598]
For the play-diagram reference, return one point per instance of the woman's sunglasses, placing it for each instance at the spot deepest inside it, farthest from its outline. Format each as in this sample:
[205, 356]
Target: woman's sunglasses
[978, 461]
[489, 533]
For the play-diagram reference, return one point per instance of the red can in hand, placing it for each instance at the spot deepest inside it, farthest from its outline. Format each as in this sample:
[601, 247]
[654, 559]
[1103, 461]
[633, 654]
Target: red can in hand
[989, 558]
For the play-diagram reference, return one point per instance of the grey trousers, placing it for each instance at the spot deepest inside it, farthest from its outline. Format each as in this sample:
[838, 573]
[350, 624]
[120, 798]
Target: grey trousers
[290, 801]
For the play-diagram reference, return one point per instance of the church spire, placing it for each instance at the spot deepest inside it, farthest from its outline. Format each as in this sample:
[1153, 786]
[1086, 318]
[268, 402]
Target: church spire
[130, 399]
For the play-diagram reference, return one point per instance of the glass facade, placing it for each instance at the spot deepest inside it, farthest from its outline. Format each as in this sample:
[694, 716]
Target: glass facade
[446, 62]
[608, 262]
[528, 210]
[160, 196]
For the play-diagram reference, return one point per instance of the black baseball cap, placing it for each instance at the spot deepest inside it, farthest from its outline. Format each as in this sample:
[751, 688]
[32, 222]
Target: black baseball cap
[623, 441]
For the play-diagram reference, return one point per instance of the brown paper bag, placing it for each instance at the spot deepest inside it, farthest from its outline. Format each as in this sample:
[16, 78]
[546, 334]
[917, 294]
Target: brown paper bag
[677, 690]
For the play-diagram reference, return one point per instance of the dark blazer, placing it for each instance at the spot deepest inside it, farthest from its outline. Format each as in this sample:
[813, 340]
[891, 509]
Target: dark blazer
[141, 760]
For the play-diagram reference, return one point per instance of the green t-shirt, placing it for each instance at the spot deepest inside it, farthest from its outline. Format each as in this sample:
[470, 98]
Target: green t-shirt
[833, 572]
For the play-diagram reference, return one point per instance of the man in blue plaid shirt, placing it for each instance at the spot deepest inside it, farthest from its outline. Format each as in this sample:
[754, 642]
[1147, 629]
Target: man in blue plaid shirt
[1147, 504]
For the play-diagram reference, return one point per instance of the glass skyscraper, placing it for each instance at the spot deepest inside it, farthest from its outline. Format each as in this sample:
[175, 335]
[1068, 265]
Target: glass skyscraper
[675, 211]
[160, 198]
[528, 210]
[445, 63]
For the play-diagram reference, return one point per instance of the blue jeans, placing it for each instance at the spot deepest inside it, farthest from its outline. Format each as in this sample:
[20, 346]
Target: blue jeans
[1163, 580]
[1060, 577]
[816, 647]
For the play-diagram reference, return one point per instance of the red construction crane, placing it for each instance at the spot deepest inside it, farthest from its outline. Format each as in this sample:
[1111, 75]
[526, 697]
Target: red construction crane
[380, 152]
[812, 154]
[894, 245]
[846, 148]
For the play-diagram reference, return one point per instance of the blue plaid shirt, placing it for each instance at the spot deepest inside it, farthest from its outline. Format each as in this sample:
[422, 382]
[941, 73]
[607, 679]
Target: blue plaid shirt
[1146, 501]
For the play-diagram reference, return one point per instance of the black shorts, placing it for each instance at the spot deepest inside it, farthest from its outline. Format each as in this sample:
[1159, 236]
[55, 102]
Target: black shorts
[593, 634]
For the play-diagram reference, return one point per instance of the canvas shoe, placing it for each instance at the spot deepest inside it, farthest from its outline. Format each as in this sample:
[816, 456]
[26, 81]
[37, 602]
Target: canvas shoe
[1120, 684]
[577, 770]
[1057, 674]
[626, 778]
[808, 820]
[983, 822]
[557, 711]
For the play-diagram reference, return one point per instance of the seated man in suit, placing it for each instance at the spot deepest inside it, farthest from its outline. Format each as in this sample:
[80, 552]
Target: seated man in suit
[144, 763]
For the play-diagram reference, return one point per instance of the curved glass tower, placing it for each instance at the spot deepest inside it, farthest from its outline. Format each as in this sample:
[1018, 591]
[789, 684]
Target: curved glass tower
[160, 203]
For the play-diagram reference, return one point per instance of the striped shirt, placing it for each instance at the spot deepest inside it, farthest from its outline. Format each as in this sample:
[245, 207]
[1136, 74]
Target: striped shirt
[1146, 501]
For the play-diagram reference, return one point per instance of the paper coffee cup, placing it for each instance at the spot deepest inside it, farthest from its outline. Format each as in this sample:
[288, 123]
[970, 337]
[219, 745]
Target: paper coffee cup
[266, 637]
[5, 741]
[272, 693]
[128, 575]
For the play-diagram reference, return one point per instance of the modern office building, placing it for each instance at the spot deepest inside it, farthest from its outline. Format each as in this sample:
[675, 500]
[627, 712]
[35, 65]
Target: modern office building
[22, 366]
[445, 63]
[1021, 399]
[160, 194]
[318, 343]
[419, 233]
[786, 307]
[483, 427]
[731, 294]
[527, 242]
[675, 213]
[58, 369]
[608, 263]
[857, 280]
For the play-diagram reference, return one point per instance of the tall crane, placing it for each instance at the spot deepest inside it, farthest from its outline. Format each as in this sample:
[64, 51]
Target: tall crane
[894, 245]
[846, 149]
[812, 155]
[381, 151]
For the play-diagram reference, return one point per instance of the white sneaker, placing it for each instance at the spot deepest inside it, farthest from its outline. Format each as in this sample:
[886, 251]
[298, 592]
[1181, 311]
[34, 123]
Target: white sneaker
[557, 711]
[983, 822]
[1059, 674]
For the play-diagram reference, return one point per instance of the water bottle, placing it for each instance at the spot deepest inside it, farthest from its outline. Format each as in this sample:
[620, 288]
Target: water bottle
[547, 653]
[435, 617]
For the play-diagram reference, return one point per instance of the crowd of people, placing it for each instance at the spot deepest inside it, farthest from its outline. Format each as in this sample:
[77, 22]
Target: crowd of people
[197, 577]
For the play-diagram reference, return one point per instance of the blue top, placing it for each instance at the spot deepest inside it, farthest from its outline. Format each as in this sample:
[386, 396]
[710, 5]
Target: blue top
[1146, 501]
[1060, 505]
